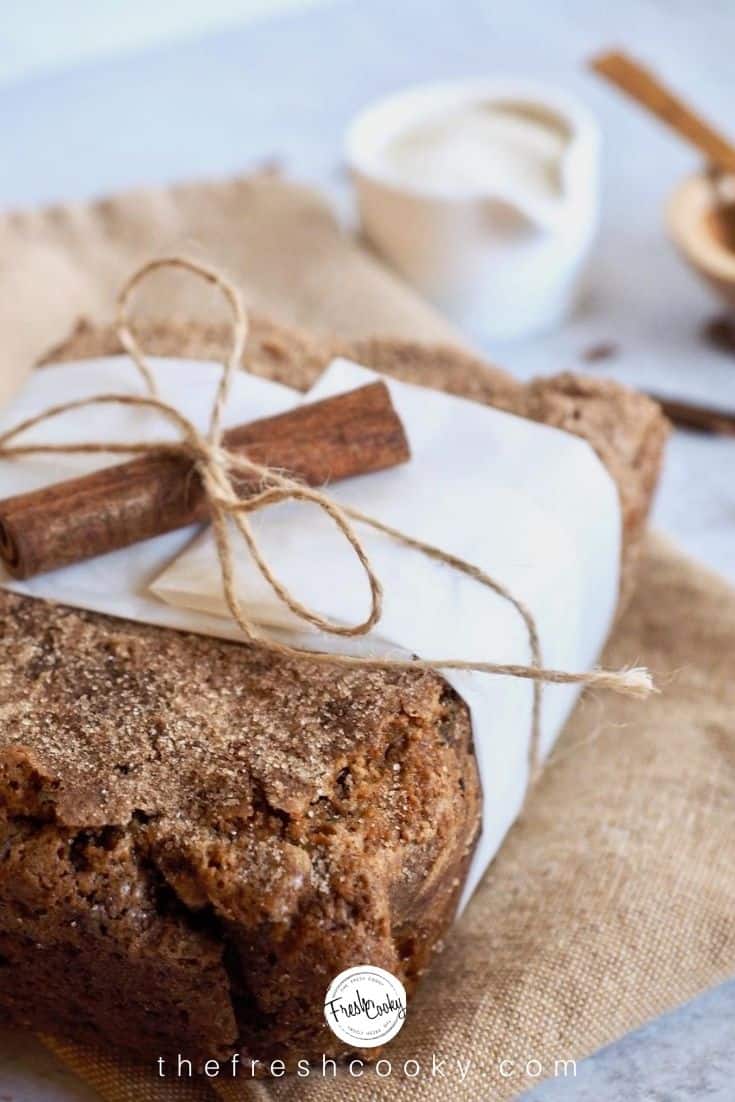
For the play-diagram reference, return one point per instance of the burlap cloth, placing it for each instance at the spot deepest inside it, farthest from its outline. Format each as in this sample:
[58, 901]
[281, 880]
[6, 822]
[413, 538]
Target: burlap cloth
[613, 898]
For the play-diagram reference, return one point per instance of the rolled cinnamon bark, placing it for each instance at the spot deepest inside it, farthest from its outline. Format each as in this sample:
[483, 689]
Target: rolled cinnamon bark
[320, 442]
[688, 415]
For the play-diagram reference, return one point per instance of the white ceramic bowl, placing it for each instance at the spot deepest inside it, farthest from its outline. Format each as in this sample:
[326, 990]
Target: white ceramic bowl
[498, 265]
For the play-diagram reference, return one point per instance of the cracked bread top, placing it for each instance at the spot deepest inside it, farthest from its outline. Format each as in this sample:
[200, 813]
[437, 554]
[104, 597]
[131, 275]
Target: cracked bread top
[218, 743]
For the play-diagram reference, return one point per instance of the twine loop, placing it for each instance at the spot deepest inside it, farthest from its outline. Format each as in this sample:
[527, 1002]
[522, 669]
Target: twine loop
[218, 468]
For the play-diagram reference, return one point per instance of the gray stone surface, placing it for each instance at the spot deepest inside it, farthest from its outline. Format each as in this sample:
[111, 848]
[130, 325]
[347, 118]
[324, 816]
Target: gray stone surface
[685, 1056]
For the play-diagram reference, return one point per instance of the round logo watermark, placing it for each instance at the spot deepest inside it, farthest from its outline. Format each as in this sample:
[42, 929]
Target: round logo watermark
[365, 1006]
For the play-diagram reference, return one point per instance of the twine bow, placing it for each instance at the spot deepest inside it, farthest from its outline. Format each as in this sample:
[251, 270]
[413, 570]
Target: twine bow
[217, 468]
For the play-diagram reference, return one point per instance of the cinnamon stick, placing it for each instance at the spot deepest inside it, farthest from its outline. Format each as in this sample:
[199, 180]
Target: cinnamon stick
[648, 91]
[707, 419]
[319, 442]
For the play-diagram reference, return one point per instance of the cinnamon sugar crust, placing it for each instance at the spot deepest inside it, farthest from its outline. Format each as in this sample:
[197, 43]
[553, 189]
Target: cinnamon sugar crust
[202, 836]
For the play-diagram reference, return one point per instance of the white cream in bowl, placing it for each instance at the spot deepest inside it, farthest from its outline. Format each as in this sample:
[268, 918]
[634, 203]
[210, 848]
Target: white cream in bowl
[481, 146]
[484, 196]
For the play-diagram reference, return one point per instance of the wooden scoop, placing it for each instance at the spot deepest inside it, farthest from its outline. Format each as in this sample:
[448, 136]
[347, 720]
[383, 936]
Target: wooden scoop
[701, 214]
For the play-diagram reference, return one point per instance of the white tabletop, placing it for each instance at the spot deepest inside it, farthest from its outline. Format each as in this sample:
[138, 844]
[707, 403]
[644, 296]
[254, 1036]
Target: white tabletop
[286, 88]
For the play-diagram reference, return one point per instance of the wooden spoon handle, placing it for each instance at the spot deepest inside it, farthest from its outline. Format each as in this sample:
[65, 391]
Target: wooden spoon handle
[647, 90]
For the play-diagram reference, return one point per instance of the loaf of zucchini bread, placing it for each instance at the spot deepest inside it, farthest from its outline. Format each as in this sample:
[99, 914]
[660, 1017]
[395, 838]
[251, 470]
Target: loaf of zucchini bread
[196, 836]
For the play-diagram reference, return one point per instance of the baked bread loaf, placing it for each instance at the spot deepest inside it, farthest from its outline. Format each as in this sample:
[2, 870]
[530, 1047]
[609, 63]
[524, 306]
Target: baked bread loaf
[197, 837]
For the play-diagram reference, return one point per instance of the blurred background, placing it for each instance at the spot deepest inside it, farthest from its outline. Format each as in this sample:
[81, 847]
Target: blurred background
[95, 98]
[44, 35]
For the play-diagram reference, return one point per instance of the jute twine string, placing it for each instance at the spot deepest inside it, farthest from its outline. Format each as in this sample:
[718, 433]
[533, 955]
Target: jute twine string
[216, 467]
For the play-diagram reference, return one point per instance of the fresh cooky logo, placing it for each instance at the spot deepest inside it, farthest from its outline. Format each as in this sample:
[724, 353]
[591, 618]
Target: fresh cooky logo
[365, 1006]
